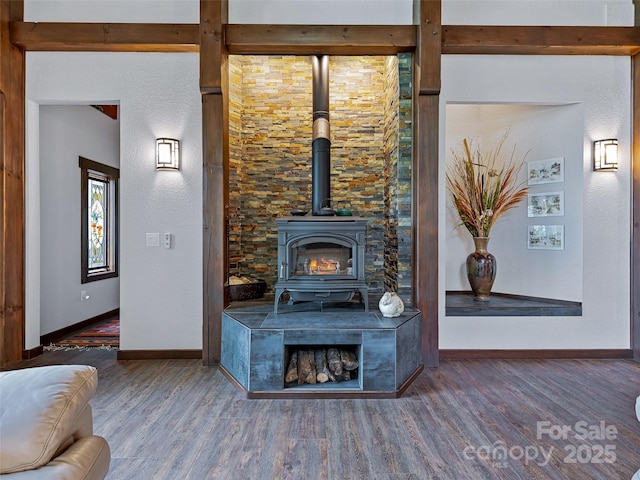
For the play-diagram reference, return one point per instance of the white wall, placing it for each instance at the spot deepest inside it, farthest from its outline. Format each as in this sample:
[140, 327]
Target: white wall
[67, 132]
[345, 12]
[537, 12]
[601, 85]
[112, 11]
[161, 298]
[325, 12]
[160, 289]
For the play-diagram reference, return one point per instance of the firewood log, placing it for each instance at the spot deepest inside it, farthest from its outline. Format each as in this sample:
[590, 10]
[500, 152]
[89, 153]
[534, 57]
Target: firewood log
[323, 374]
[333, 358]
[344, 376]
[349, 360]
[311, 377]
[306, 367]
[292, 369]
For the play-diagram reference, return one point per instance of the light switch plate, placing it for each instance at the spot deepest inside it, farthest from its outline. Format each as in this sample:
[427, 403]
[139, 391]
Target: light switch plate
[167, 240]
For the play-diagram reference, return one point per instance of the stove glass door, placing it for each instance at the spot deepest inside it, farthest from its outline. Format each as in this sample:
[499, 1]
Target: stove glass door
[326, 256]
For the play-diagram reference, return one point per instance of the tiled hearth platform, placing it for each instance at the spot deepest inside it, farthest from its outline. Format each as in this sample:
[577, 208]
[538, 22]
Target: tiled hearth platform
[256, 344]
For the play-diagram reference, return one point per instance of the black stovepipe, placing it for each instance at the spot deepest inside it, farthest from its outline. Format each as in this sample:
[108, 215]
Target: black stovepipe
[321, 145]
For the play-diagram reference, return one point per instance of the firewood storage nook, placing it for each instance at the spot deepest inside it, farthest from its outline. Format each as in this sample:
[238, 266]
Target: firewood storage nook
[258, 346]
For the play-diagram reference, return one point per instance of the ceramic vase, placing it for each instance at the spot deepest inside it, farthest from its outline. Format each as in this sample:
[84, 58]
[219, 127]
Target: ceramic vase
[481, 269]
[391, 305]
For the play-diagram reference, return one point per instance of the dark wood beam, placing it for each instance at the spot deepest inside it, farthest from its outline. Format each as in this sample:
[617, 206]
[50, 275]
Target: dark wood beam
[212, 47]
[535, 40]
[239, 39]
[320, 39]
[105, 37]
[215, 175]
[328, 39]
[430, 49]
[425, 176]
[635, 207]
[12, 189]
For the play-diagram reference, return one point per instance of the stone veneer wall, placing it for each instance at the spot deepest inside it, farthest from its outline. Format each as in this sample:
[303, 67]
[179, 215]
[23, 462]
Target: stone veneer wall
[235, 168]
[405, 162]
[270, 155]
[270, 130]
[356, 112]
[391, 145]
[398, 161]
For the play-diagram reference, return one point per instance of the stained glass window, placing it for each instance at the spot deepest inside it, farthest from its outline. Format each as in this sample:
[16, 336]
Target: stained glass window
[99, 226]
[98, 233]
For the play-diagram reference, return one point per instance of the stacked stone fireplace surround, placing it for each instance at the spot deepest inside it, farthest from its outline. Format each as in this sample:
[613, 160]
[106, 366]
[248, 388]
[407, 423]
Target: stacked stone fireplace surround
[270, 150]
[270, 130]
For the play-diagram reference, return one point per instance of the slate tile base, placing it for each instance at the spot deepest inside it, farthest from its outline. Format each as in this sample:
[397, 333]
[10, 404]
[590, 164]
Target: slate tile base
[256, 344]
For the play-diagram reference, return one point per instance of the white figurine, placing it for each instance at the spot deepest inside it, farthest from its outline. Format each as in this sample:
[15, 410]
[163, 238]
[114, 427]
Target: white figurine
[391, 305]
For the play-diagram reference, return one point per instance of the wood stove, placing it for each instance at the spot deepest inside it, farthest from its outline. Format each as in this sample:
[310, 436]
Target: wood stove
[321, 259]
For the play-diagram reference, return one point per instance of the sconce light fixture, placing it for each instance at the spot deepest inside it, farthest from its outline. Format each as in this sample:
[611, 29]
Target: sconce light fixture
[605, 155]
[167, 154]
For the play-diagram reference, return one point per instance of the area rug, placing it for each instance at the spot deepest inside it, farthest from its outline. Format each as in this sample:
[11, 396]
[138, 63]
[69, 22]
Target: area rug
[104, 336]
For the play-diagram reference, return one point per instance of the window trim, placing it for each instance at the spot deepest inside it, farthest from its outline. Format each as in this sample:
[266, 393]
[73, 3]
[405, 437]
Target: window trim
[113, 174]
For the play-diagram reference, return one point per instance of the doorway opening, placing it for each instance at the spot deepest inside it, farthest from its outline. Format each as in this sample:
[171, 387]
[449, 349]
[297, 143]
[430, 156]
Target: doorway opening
[66, 305]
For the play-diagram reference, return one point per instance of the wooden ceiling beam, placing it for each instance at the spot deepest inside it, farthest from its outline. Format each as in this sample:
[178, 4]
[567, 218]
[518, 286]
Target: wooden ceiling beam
[327, 39]
[320, 39]
[105, 37]
[240, 39]
[540, 40]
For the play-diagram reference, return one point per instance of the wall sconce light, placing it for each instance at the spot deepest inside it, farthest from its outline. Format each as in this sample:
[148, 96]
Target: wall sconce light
[605, 155]
[167, 154]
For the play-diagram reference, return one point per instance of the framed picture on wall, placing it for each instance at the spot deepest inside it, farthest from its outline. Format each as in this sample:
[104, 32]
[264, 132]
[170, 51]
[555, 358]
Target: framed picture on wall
[545, 171]
[546, 237]
[550, 204]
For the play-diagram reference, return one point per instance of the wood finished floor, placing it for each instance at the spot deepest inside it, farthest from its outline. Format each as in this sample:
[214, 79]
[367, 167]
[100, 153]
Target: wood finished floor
[175, 419]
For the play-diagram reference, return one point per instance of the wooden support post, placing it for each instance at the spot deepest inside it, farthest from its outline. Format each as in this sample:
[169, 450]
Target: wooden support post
[12, 188]
[425, 175]
[635, 199]
[213, 86]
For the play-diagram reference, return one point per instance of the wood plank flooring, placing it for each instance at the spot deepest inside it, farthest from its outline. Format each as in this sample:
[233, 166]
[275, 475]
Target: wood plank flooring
[473, 419]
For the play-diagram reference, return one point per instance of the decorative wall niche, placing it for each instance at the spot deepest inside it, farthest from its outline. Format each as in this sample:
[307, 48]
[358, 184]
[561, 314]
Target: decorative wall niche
[541, 132]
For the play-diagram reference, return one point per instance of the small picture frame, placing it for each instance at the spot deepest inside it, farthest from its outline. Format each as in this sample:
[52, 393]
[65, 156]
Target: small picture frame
[548, 204]
[546, 237]
[545, 171]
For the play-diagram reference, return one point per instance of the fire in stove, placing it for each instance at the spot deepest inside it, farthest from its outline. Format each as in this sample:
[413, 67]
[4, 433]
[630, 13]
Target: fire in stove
[320, 259]
[323, 266]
